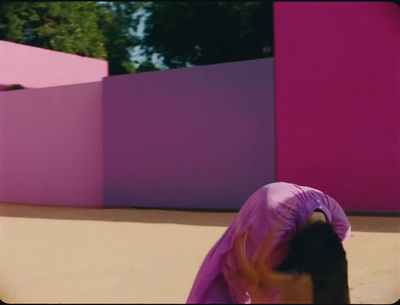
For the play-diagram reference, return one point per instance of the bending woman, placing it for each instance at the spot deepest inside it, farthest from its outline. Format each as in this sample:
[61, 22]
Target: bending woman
[284, 246]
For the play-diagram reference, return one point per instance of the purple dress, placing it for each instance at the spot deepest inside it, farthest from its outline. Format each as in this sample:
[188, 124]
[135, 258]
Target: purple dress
[283, 206]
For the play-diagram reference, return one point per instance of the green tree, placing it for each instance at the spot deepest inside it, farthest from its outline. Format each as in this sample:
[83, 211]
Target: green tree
[147, 67]
[207, 32]
[70, 27]
[104, 30]
[13, 87]
[118, 25]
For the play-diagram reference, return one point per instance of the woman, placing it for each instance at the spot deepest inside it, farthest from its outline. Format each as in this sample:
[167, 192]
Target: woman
[284, 245]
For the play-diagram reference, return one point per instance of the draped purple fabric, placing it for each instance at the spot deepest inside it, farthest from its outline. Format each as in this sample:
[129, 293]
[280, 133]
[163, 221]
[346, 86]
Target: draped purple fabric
[281, 205]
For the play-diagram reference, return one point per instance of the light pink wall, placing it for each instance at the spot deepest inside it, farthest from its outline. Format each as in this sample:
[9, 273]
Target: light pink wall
[36, 67]
[337, 75]
[51, 146]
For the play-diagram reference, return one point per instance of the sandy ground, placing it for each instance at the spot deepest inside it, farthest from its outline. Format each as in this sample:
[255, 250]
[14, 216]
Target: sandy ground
[76, 255]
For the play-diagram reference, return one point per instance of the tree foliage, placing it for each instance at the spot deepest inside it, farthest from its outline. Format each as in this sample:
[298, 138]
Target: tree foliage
[207, 32]
[99, 30]
[183, 33]
[147, 67]
[117, 23]
[70, 27]
[13, 87]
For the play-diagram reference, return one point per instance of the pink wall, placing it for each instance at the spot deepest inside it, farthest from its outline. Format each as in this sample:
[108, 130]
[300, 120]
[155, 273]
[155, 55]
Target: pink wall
[51, 146]
[337, 79]
[36, 67]
[201, 137]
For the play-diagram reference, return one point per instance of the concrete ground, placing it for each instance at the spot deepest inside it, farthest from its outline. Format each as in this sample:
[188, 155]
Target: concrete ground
[77, 255]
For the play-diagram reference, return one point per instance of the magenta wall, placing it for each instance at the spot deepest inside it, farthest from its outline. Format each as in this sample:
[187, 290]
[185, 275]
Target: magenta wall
[202, 137]
[338, 100]
[36, 67]
[51, 146]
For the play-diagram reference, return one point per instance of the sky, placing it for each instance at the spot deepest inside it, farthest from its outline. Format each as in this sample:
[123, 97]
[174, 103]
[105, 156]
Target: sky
[136, 58]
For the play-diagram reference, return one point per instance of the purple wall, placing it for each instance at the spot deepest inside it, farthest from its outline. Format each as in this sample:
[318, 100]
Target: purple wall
[34, 67]
[196, 138]
[51, 146]
[338, 100]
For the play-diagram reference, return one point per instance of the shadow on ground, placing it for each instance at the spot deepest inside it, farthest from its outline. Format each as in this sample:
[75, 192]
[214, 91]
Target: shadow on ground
[201, 218]
[365, 223]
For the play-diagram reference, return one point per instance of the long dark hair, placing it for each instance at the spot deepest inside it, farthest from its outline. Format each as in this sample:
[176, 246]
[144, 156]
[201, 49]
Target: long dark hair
[317, 250]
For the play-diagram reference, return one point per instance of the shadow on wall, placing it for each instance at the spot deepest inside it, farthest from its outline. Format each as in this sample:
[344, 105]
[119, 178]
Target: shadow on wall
[197, 218]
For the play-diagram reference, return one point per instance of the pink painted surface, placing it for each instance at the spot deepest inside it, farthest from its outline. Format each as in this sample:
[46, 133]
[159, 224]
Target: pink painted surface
[201, 137]
[337, 75]
[51, 146]
[36, 67]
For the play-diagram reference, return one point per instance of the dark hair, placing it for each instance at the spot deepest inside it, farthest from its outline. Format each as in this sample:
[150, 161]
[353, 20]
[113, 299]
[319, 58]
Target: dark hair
[317, 250]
